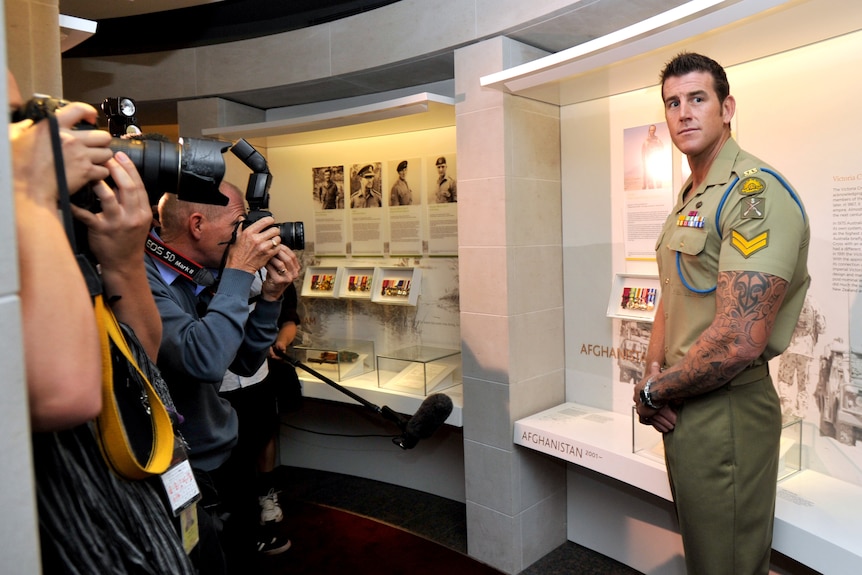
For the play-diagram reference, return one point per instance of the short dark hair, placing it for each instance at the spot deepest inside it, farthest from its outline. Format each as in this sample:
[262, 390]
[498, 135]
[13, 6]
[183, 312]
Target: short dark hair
[687, 62]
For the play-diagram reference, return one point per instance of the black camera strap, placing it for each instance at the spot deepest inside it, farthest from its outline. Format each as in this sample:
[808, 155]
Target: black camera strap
[91, 276]
[184, 266]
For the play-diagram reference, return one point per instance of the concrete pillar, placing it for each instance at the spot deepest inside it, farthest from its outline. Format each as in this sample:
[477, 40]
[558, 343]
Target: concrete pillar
[511, 278]
[33, 45]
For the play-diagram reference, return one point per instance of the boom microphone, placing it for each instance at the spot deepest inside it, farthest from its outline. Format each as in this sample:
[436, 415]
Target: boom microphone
[427, 419]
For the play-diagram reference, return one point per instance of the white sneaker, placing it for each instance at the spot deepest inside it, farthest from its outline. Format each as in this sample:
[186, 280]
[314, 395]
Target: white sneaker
[270, 511]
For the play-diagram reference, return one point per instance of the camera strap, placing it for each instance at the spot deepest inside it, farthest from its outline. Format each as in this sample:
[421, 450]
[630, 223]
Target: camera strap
[91, 276]
[184, 266]
[134, 429]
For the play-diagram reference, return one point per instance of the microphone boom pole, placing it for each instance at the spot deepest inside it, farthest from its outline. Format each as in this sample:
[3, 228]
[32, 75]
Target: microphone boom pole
[387, 413]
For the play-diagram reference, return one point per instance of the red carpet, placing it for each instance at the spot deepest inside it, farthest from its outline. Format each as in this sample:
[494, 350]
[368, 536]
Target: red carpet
[328, 541]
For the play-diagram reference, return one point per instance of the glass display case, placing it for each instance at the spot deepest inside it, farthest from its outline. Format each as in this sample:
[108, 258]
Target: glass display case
[338, 359]
[419, 369]
[647, 442]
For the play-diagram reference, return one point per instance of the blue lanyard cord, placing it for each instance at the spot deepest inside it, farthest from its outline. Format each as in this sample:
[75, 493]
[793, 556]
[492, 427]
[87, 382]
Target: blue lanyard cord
[718, 229]
[788, 188]
[718, 226]
[685, 282]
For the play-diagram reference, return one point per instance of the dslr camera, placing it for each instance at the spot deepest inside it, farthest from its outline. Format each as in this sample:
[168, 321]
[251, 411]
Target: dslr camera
[192, 168]
[257, 195]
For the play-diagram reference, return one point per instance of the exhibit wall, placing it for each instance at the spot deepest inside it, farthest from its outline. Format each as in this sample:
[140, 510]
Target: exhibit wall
[796, 111]
[421, 234]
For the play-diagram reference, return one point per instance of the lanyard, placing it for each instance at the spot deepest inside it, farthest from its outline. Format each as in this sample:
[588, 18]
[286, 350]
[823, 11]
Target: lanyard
[184, 266]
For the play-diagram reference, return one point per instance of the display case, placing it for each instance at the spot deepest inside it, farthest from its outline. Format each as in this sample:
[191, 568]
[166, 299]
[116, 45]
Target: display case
[419, 369]
[320, 281]
[396, 285]
[790, 450]
[355, 283]
[338, 359]
[647, 442]
[634, 297]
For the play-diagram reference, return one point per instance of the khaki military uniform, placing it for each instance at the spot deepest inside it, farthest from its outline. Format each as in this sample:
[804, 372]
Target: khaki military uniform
[722, 456]
[361, 199]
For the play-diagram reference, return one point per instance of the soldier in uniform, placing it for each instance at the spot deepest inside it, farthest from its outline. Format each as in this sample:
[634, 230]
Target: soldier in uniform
[328, 191]
[732, 259]
[447, 190]
[366, 196]
[401, 194]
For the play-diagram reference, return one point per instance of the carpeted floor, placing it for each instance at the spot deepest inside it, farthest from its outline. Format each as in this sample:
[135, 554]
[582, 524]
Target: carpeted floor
[344, 524]
[329, 541]
[341, 524]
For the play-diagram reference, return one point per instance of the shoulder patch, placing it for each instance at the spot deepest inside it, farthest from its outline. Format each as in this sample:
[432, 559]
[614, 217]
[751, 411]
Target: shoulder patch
[748, 247]
[751, 185]
[753, 208]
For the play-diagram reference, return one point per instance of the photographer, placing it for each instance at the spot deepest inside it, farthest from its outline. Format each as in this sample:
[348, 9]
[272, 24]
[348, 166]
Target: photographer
[209, 329]
[90, 520]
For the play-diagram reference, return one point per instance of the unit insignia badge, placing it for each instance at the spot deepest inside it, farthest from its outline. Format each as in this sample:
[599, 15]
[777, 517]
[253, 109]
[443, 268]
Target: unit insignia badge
[751, 185]
[753, 208]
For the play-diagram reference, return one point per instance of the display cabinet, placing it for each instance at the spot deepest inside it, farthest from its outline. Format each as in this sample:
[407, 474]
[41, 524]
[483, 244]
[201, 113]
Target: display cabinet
[320, 281]
[355, 283]
[396, 285]
[634, 297]
[338, 359]
[419, 369]
[647, 442]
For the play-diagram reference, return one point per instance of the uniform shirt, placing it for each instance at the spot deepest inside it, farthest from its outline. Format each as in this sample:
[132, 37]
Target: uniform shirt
[329, 195]
[761, 228]
[362, 200]
[447, 190]
[401, 194]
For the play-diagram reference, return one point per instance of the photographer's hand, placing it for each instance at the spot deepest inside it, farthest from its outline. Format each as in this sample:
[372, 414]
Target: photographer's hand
[281, 271]
[85, 150]
[255, 245]
[116, 237]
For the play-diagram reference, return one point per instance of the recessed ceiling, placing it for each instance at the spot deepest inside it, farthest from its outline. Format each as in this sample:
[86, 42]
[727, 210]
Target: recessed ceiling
[102, 9]
[206, 21]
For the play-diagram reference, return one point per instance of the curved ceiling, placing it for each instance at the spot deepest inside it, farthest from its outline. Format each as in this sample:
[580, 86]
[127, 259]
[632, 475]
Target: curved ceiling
[129, 27]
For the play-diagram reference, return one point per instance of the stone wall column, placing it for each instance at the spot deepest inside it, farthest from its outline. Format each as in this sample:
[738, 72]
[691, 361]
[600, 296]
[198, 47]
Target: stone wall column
[511, 278]
[33, 45]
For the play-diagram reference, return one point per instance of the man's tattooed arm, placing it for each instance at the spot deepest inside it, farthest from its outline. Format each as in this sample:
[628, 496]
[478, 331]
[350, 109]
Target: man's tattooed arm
[746, 306]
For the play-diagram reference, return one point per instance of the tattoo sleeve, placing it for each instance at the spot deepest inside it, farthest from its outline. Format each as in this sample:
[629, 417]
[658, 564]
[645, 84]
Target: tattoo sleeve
[746, 306]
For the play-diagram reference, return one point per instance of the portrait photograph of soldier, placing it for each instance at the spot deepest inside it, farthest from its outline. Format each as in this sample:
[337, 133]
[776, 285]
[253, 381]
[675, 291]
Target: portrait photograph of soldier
[328, 187]
[443, 189]
[647, 157]
[401, 193]
[366, 186]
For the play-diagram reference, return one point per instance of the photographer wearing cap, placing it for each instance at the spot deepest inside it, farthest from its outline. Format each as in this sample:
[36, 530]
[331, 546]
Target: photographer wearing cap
[208, 327]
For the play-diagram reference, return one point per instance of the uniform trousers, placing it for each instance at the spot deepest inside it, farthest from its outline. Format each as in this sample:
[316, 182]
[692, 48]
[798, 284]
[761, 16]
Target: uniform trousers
[722, 460]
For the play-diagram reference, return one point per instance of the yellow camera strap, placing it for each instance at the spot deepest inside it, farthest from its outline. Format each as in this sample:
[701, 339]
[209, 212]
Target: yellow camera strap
[113, 437]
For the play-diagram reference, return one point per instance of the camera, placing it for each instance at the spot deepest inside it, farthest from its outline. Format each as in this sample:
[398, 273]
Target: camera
[192, 168]
[257, 195]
